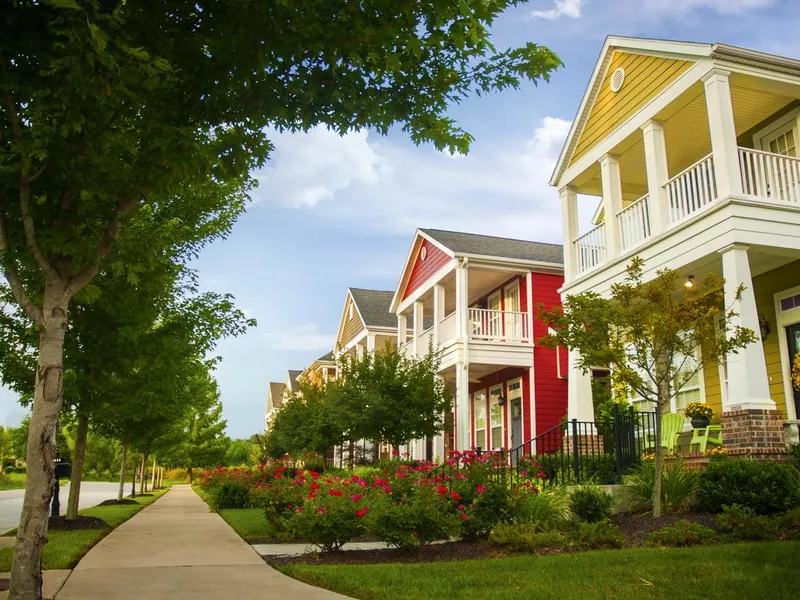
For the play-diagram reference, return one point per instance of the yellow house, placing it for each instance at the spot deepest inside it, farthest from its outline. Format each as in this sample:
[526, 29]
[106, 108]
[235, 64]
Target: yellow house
[693, 150]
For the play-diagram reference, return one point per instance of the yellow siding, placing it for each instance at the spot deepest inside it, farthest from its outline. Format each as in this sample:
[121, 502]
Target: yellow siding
[645, 77]
[352, 327]
[765, 287]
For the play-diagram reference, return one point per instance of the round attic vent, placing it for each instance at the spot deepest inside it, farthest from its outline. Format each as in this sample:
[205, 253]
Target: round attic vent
[617, 79]
[423, 254]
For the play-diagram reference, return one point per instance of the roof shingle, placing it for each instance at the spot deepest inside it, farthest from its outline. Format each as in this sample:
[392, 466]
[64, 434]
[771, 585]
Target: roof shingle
[487, 245]
[374, 307]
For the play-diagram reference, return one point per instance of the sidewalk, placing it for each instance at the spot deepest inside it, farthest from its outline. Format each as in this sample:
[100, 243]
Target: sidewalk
[175, 548]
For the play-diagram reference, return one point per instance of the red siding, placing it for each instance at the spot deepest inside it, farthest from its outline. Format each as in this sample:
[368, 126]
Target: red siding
[501, 377]
[422, 270]
[550, 392]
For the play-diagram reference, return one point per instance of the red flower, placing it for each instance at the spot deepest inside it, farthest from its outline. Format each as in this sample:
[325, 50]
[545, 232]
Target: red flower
[321, 510]
[463, 515]
[414, 533]
[314, 486]
[362, 512]
[335, 493]
[481, 488]
[442, 489]
[455, 496]
[355, 497]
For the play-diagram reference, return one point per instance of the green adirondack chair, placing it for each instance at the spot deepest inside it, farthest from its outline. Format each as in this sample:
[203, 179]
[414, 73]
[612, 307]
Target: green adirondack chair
[671, 427]
[703, 436]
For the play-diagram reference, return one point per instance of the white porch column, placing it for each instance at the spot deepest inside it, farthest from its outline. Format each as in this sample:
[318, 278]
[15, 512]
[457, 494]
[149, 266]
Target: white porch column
[579, 391]
[438, 312]
[371, 343]
[748, 382]
[655, 158]
[612, 203]
[419, 308]
[463, 431]
[569, 220]
[462, 300]
[360, 350]
[402, 329]
[722, 128]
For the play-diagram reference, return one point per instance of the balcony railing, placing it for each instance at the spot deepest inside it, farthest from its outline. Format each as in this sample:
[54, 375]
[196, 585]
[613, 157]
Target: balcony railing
[590, 249]
[498, 325]
[692, 189]
[447, 328]
[768, 175]
[634, 223]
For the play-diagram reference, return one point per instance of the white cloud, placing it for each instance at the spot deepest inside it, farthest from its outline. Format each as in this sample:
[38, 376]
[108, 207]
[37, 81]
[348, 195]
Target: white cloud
[310, 168]
[500, 188]
[682, 7]
[306, 337]
[561, 8]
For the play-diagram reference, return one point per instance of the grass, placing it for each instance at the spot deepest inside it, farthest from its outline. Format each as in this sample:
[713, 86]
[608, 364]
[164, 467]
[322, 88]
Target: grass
[755, 571]
[13, 481]
[64, 549]
[249, 523]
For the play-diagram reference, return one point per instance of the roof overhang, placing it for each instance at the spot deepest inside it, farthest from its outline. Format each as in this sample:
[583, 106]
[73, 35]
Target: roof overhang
[408, 265]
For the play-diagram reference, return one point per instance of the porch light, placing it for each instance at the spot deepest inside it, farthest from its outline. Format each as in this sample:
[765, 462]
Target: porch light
[689, 282]
[501, 400]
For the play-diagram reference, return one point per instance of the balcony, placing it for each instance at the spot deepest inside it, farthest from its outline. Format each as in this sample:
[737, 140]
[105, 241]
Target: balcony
[764, 176]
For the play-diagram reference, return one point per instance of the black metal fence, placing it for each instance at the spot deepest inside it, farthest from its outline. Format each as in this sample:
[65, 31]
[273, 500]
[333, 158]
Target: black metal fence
[576, 452]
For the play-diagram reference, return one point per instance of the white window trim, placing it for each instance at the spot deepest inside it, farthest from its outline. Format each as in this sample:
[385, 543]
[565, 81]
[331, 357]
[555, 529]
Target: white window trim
[490, 427]
[779, 126]
[783, 320]
[486, 426]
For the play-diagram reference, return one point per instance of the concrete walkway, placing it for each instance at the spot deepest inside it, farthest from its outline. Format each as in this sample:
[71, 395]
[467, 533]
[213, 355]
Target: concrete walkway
[176, 548]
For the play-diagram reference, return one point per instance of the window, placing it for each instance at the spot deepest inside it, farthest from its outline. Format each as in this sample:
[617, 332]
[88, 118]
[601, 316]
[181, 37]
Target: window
[479, 406]
[782, 143]
[496, 416]
[515, 389]
[790, 303]
[688, 380]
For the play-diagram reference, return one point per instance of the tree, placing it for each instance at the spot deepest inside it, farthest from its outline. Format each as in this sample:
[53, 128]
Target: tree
[206, 443]
[19, 438]
[237, 452]
[108, 106]
[654, 336]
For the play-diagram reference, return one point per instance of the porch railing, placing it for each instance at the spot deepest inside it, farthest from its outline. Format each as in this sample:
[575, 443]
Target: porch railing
[590, 249]
[498, 325]
[447, 328]
[634, 223]
[692, 189]
[768, 175]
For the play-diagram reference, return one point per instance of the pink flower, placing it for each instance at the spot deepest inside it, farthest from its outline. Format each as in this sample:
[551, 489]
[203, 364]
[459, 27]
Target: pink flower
[463, 516]
[362, 512]
[335, 493]
[455, 496]
[299, 509]
[355, 497]
[321, 510]
[481, 488]
[414, 533]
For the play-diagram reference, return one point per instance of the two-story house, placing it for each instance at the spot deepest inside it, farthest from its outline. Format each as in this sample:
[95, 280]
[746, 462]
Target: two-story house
[321, 370]
[366, 324]
[473, 297]
[277, 395]
[693, 150]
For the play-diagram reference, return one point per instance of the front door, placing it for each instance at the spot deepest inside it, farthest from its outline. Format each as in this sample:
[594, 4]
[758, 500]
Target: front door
[793, 339]
[516, 426]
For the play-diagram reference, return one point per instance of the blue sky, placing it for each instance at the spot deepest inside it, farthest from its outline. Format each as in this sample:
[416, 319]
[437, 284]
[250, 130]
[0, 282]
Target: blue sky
[333, 212]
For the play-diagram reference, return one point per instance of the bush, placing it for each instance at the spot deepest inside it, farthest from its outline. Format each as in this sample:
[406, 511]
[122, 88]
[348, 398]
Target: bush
[525, 537]
[789, 524]
[330, 521]
[681, 534]
[485, 510]
[179, 474]
[591, 504]
[678, 486]
[228, 494]
[743, 523]
[546, 511]
[765, 487]
[417, 519]
[593, 536]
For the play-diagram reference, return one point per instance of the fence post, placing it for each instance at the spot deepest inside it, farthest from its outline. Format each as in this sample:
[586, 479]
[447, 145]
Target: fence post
[575, 459]
[618, 442]
[632, 429]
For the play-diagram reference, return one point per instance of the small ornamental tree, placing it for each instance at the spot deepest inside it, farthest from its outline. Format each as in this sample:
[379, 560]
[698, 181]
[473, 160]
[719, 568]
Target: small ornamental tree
[654, 336]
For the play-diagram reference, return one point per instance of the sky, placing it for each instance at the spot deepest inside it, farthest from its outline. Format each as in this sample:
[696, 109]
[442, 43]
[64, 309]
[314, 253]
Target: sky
[333, 212]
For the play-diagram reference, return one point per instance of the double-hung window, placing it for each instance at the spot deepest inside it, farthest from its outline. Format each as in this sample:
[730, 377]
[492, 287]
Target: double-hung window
[479, 404]
[496, 416]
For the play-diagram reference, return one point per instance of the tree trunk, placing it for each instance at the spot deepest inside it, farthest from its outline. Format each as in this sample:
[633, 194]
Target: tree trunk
[26, 568]
[133, 482]
[77, 466]
[143, 475]
[663, 402]
[153, 480]
[189, 472]
[121, 491]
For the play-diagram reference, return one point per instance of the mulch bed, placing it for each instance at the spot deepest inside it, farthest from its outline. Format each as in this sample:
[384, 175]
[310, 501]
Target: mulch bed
[637, 528]
[82, 522]
[115, 502]
[425, 554]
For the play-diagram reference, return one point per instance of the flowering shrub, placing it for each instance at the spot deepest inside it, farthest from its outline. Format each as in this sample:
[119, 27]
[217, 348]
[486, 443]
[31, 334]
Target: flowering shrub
[796, 372]
[423, 516]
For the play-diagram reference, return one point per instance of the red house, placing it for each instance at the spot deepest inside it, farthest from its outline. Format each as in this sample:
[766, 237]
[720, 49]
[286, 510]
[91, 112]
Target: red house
[481, 292]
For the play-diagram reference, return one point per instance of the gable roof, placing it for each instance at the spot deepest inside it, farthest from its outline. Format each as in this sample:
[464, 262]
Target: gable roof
[275, 394]
[292, 380]
[374, 307]
[326, 357]
[689, 51]
[499, 247]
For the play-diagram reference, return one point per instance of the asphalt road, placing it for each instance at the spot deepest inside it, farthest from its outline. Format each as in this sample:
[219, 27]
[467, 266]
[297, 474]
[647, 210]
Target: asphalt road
[92, 494]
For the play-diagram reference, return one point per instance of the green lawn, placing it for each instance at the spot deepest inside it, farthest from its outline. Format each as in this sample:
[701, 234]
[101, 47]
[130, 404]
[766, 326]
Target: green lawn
[249, 523]
[13, 481]
[765, 571]
[65, 548]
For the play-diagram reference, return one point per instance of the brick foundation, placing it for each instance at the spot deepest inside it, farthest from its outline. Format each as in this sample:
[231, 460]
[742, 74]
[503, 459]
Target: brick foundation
[755, 434]
[587, 445]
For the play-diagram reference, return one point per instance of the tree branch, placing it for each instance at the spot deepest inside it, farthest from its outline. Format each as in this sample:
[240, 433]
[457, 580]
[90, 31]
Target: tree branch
[124, 207]
[30, 227]
[33, 312]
